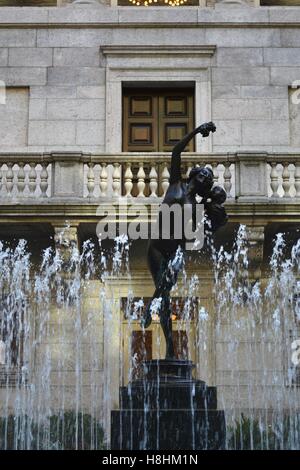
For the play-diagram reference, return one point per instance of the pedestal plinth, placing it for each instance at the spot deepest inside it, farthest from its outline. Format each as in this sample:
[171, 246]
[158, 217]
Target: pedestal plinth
[168, 410]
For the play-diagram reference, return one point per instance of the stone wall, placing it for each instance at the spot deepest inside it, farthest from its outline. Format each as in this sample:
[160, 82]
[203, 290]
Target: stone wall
[57, 54]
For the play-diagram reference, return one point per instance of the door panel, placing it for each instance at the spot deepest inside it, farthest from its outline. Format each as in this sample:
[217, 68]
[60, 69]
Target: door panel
[176, 119]
[139, 122]
[155, 120]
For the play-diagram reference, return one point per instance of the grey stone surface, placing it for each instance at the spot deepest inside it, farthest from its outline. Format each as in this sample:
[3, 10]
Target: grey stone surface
[280, 109]
[72, 37]
[167, 36]
[265, 132]
[45, 133]
[290, 37]
[67, 179]
[269, 91]
[243, 37]
[232, 14]
[90, 133]
[76, 76]
[228, 56]
[284, 75]
[53, 91]
[283, 15]
[79, 109]
[24, 15]
[17, 37]
[77, 56]
[240, 76]
[84, 14]
[229, 133]
[157, 15]
[30, 57]
[294, 106]
[23, 76]
[3, 56]
[14, 118]
[37, 109]
[242, 109]
[91, 92]
[282, 56]
[226, 91]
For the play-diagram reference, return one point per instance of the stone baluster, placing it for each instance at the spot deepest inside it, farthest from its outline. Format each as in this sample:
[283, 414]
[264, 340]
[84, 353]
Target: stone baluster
[9, 178]
[103, 180]
[215, 172]
[44, 179]
[21, 178]
[297, 178]
[274, 179]
[227, 178]
[128, 177]
[116, 184]
[153, 181]
[1, 176]
[90, 179]
[141, 181]
[32, 178]
[286, 180]
[165, 177]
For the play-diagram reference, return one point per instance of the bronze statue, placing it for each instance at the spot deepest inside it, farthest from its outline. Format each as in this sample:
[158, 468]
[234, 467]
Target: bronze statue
[164, 259]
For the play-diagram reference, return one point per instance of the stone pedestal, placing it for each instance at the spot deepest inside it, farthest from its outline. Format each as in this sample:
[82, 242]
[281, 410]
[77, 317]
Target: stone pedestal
[168, 410]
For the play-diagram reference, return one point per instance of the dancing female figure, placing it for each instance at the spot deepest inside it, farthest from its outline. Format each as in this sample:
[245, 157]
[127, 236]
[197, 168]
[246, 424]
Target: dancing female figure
[165, 255]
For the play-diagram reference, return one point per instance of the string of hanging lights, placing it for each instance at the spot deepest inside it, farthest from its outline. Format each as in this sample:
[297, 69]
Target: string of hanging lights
[146, 3]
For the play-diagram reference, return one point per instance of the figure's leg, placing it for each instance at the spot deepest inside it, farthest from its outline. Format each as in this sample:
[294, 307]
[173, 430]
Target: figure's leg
[157, 264]
[165, 273]
[166, 324]
[169, 280]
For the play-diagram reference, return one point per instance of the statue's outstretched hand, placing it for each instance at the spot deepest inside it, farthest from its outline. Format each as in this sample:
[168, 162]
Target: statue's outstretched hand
[206, 128]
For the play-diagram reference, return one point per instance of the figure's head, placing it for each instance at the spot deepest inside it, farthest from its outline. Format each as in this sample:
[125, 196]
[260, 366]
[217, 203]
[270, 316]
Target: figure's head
[200, 181]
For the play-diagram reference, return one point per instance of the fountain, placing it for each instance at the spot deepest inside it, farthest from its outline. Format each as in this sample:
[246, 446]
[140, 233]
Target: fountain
[62, 361]
[57, 394]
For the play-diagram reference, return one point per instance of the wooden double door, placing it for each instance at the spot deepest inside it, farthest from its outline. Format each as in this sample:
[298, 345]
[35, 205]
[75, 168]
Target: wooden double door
[154, 120]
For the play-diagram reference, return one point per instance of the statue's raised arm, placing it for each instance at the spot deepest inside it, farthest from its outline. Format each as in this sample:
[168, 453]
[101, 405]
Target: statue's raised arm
[204, 129]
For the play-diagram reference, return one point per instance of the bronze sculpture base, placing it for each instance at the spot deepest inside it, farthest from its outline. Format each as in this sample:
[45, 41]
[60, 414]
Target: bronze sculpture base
[168, 410]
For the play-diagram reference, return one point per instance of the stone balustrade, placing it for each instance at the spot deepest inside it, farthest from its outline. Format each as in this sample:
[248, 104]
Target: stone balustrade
[58, 178]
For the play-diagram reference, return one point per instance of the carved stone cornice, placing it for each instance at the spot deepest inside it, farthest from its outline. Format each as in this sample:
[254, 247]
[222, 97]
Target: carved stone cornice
[102, 16]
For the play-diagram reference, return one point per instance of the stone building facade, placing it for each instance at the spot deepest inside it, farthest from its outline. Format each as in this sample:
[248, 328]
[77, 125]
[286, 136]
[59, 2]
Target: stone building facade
[64, 71]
